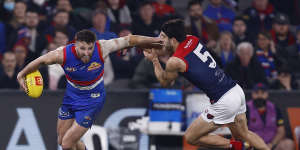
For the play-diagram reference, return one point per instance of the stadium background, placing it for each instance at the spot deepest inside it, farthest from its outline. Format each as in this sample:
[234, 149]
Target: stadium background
[31, 28]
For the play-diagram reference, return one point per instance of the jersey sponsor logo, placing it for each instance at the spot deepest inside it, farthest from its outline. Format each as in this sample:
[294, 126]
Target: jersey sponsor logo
[95, 95]
[38, 81]
[71, 69]
[93, 66]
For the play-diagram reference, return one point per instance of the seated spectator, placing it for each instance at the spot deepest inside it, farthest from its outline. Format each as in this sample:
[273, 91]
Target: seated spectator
[245, 69]
[260, 16]
[198, 25]
[163, 9]
[18, 17]
[55, 71]
[221, 14]
[101, 25]
[225, 48]
[31, 32]
[124, 62]
[8, 72]
[60, 21]
[293, 54]
[118, 14]
[240, 33]
[76, 21]
[285, 79]
[266, 55]
[265, 119]
[281, 35]
[144, 76]
[23, 55]
[146, 23]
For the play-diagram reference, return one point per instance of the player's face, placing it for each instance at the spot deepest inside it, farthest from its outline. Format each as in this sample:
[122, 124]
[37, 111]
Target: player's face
[84, 51]
[167, 46]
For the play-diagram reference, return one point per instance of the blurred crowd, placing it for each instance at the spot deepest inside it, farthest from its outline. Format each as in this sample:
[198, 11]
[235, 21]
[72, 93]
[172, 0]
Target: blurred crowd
[254, 41]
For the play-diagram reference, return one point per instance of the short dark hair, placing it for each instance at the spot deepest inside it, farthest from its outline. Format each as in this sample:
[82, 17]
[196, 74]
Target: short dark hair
[60, 11]
[193, 2]
[265, 34]
[174, 29]
[85, 36]
[144, 3]
[62, 30]
[239, 18]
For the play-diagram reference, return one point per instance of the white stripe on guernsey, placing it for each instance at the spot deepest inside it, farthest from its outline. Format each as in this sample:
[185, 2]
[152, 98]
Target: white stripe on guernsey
[86, 87]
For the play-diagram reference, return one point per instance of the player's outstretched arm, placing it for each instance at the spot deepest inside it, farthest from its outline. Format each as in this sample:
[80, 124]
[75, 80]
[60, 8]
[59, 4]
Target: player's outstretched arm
[167, 76]
[53, 57]
[109, 46]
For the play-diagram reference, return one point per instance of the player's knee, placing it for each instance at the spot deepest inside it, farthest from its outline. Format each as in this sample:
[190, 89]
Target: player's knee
[66, 145]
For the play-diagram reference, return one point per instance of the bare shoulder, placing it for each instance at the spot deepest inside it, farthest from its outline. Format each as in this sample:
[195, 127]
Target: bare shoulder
[176, 64]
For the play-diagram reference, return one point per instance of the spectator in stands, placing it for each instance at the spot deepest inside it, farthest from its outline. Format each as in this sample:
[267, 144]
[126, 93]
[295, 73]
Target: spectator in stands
[201, 26]
[118, 14]
[36, 40]
[60, 21]
[266, 55]
[225, 48]
[2, 39]
[146, 23]
[221, 14]
[124, 62]
[23, 55]
[240, 33]
[285, 80]
[163, 9]
[55, 72]
[260, 16]
[18, 17]
[266, 120]
[144, 76]
[76, 20]
[245, 69]
[101, 25]
[8, 72]
[280, 31]
[293, 54]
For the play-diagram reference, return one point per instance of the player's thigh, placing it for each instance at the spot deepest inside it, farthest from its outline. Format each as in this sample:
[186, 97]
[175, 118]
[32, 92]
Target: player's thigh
[62, 127]
[73, 134]
[199, 128]
[239, 127]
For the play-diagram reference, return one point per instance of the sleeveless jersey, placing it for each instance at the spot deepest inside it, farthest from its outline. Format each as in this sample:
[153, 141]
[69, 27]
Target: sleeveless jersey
[85, 84]
[202, 70]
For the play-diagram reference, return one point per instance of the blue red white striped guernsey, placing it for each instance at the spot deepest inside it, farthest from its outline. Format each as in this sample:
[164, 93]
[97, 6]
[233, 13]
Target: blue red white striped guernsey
[202, 70]
[84, 80]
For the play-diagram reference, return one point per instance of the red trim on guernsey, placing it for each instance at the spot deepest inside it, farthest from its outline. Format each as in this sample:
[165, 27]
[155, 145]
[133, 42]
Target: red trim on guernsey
[185, 47]
[99, 51]
[74, 52]
[85, 83]
[65, 56]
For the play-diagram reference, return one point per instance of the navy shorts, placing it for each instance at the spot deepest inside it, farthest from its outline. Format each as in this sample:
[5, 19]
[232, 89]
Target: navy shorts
[84, 117]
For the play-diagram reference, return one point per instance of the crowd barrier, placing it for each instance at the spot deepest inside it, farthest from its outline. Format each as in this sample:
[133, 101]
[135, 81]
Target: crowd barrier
[28, 124]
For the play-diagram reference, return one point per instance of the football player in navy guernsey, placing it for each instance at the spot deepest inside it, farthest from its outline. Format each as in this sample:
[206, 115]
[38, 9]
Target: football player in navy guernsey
[191, 59]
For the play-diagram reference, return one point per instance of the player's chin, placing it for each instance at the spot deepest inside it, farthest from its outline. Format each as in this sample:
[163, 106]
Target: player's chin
[85, 59]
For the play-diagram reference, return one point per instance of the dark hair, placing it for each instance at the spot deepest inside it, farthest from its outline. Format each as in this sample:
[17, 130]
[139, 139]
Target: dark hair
[62, 30]
[193, 2]
[265, 34]
[85, 36]
[239, 18]
[60, 11]
[144, 3]
[174, 29]
[32, 10]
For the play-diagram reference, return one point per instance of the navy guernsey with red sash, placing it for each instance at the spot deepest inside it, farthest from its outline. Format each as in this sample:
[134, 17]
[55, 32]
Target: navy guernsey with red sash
[202, 70]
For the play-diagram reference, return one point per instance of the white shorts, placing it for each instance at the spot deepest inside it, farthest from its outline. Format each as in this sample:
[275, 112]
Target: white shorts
[227, 107]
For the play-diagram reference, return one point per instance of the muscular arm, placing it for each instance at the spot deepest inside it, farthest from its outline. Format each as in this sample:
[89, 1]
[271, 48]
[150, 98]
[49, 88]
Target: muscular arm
[109, 46]
[167, 76]
[53, 57]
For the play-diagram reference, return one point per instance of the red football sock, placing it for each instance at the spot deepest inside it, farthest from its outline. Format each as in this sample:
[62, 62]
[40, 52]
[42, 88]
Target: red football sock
[236, 145]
